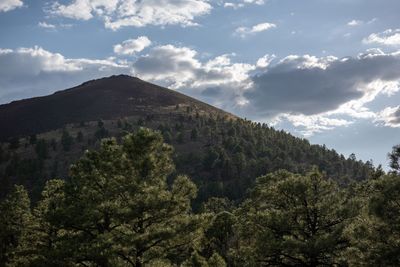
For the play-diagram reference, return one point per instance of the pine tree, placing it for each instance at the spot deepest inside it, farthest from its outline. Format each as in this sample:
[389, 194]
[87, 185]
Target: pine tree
[119, 210]
[42, 149]
[394, 158]
[194, 134]
[66, 140]
[376, 232]
[293, 220]
[15, 216]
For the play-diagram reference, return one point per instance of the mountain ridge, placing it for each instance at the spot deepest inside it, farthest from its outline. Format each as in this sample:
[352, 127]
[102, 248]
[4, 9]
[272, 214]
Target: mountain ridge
[105, 98]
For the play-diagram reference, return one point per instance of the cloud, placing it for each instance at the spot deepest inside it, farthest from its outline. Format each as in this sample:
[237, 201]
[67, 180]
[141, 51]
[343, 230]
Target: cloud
[178, 67]
[132, 46]
[8, 5]
[242, 3]
[354, 23]
[265, 61]
[390, 117]
[123, 13]
[313, 94]
[389, 37]
[244, 31]
[309, 85]
[218, 80]
[28, 72]
[46, 25]
[309, 125]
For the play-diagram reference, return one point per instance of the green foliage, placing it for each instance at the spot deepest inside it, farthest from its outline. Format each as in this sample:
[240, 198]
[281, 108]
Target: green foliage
[116, 209]
[66, 140]
[220, 232]
[79, 137]
[196, 260]
[14, 143]
[101, 131]
[15, 216]
[194, 134]
[180, 138]
[293, 220]
[216, 261]
[32, 139]
[394, 158]
[376, 233]
[42, 149]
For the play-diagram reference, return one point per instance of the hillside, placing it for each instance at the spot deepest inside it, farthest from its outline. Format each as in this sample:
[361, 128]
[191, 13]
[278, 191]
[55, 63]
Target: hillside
[106, 98]
[223, 154]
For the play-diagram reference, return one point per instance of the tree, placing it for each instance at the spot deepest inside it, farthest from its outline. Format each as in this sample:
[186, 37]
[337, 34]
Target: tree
[394, 158]
[216, 261]
[32, 139]
[79, 136]
[15, 215]
[101, 131]
[44, 243]
[180, 138]
[119, 210]
[42, 149]
[14, 143]
[293, 220]
[376, 233]
[66, 140]
[220, 233]
[194, 134]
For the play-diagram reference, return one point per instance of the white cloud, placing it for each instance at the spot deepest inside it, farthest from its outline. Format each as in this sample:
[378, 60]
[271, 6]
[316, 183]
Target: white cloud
[354, 23]
[242, 3]
[390, 117]
[45, 25]
[389, 37]
[179, 67]
[132, 46]
[123, 13]
[265, 61]
[8, 5]
[309, 125]
[244, 31]
[27, 72]
[233, 5]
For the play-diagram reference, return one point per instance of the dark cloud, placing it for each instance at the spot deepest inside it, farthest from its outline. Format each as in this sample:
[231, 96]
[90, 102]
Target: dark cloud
[307, 85]
[397, 116]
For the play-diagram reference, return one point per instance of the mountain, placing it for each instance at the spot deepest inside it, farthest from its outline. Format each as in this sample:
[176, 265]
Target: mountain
[106, 98]
[41, 137]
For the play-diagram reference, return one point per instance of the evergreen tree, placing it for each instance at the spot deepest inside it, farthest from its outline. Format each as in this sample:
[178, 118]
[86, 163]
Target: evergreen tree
[194, 134]
[216, 261]
[79, 136]
[376, 233]
[394, 158]
[32, 139]
[293, 220]
[66, 140]
[14, 143]
[15, 216]
[42, 149]
[119, 210]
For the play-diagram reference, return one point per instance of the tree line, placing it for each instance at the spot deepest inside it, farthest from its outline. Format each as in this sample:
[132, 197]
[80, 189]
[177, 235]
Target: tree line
[124, 205]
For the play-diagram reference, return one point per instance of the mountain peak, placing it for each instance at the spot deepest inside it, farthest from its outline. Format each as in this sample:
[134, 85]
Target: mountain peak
[105, 98]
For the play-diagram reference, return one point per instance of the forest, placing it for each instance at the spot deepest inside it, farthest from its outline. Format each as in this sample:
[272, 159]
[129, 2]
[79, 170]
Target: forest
[124, 204]
[222, 156]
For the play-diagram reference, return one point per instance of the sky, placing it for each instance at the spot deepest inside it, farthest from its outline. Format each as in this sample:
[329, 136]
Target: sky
[325, 70]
